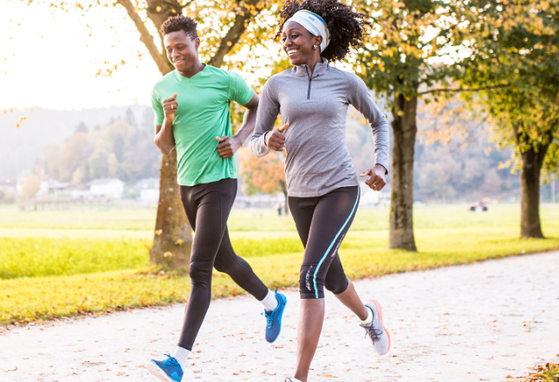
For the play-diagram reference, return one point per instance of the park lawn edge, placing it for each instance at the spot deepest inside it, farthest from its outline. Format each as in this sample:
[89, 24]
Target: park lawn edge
[542, 373]
[44, 299]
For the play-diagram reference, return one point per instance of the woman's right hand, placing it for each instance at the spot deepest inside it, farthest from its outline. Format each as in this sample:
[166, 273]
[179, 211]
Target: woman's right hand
[276, 139]
[170, 107]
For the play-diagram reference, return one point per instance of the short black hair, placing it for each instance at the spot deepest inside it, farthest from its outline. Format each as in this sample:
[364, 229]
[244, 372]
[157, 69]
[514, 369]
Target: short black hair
[345, 26]
[180, 23]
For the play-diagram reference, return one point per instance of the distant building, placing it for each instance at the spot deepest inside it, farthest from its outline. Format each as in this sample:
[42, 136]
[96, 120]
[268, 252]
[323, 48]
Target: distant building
[79, 192]
[148, 190]
[52, 187]
[111, 188]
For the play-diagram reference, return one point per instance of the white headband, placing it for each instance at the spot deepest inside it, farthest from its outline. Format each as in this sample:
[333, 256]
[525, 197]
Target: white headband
[314, 24]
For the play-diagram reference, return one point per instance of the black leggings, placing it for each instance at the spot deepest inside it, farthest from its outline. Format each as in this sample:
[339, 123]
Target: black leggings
[322, 223]
[207, 207]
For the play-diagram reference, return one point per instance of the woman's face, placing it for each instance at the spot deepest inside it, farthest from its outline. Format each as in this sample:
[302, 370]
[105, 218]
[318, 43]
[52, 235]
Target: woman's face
[298, 43]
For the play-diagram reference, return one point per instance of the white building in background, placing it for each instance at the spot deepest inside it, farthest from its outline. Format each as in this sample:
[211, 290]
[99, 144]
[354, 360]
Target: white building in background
[52, 186]
[148, 190]
[111, 188]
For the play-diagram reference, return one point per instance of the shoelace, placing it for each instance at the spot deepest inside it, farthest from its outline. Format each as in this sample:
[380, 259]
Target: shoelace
[170, 361]
[372, 332]
[269, 318]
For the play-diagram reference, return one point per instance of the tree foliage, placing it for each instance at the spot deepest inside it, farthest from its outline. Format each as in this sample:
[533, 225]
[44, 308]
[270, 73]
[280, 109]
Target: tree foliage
[514, 61]
[263, 175]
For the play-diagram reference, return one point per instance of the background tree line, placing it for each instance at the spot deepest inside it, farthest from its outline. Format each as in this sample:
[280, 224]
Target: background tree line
[465, 169]
[123, 149]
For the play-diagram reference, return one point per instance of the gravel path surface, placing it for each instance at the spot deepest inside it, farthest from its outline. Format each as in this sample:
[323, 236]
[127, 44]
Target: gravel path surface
[480, 322]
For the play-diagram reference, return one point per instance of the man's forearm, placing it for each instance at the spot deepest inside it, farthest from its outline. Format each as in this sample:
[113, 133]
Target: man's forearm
[164, 138]
[249, 120]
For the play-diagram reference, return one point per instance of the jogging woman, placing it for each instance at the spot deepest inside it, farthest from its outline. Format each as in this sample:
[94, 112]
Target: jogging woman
[323, 190]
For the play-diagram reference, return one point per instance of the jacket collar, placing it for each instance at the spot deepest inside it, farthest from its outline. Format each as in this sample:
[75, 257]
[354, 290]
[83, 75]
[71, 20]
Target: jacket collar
[304, 70]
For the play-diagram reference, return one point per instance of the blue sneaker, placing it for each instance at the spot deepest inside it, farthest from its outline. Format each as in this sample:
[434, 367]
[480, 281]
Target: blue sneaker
[273, 318]
[168, 370]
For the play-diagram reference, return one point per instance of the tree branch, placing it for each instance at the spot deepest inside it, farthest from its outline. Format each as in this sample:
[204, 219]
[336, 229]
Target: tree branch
[234, 34]
[160, 60]
[457, 90]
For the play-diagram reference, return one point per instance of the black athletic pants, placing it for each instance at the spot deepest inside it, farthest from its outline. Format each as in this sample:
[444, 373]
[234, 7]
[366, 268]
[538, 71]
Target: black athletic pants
[207, 207]
[322, 223]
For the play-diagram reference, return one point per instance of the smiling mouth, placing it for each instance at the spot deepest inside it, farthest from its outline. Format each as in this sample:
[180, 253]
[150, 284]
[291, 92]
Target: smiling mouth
[291, 52]
[178, 62]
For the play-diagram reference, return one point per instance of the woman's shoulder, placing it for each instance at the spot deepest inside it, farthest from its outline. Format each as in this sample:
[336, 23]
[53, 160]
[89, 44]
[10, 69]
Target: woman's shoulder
[343, 74]
[279, 78]
[282, 75]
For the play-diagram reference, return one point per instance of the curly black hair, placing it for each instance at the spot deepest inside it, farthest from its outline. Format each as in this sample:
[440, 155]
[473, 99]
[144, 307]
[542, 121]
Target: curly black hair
[180, 23]
[345, 26]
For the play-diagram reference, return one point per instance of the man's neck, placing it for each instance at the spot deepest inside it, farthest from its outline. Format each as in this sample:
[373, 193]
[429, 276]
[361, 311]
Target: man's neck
[196, 68]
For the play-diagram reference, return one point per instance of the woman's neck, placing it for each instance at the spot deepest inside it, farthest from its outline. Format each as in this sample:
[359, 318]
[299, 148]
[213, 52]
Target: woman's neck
[313, 61]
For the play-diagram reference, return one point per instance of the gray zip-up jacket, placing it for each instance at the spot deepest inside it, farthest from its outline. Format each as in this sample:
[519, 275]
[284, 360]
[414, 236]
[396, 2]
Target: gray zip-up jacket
[315, 106]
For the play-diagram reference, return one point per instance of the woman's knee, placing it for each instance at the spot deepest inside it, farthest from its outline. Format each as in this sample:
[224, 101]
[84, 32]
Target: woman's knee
[311, 282]
[336, 286]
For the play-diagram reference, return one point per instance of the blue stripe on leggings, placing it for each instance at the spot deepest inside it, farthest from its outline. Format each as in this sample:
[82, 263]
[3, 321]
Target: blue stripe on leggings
[331, 244]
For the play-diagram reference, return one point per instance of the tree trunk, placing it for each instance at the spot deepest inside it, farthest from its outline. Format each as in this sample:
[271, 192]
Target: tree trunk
[532, 160]
[283, 187]
[172, 240]
[401, 199]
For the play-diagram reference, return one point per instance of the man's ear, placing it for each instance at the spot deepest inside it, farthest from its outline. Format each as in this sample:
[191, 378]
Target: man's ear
[197, 42]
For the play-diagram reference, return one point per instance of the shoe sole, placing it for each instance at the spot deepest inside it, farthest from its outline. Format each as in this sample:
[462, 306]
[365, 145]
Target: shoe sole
[280, 321]
[379, 310]
[156, 371]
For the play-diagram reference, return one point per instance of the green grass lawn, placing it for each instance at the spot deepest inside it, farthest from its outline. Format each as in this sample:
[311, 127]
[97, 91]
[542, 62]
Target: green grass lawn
[64, 263]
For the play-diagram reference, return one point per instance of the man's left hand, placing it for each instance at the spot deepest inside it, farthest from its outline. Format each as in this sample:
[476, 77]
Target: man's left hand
[228, 146]
[377, 177]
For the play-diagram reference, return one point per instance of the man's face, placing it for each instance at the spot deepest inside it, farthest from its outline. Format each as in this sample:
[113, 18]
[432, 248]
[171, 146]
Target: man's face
[182, 50]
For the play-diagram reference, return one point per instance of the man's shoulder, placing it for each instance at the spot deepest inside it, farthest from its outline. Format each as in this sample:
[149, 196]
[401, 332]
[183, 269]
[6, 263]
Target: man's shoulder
[217, 73]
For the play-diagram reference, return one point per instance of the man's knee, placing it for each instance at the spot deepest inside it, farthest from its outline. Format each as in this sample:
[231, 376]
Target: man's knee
[224, 266]
[200, 272]
[311, 282]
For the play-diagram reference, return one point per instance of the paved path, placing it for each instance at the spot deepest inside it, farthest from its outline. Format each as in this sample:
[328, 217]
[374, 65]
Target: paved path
[480, 322]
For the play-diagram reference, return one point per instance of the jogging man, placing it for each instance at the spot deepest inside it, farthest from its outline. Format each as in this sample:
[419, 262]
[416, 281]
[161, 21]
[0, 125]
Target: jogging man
[191, 106]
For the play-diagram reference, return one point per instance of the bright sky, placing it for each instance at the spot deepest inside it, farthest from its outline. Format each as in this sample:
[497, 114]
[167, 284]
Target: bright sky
[50, 61]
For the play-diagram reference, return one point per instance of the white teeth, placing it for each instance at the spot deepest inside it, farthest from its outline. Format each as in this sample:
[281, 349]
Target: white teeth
[290, 52]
